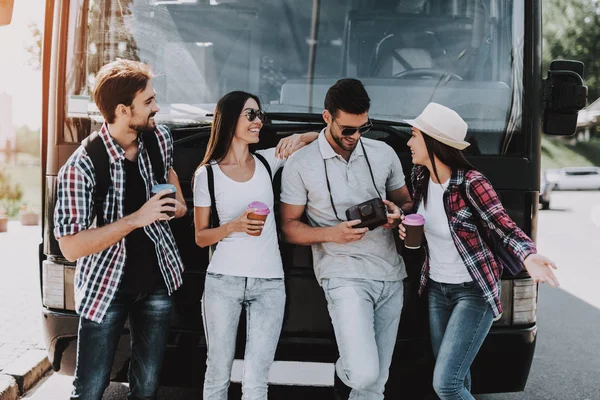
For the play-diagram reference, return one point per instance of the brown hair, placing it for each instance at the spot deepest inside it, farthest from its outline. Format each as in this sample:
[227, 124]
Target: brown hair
[222, 132]
[449, 156]
[117, 83]
[227, 113]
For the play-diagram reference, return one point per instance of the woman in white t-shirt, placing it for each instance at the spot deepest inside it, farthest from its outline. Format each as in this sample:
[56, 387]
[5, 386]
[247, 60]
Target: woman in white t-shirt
[245, 269]
[461, 274]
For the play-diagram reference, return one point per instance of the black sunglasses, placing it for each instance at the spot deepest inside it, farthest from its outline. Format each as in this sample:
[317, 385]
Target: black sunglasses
[252, 114]
[349, 131]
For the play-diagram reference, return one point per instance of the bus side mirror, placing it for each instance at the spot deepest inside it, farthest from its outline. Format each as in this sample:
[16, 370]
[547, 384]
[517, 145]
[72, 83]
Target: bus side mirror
[564, 95]
[6, 10]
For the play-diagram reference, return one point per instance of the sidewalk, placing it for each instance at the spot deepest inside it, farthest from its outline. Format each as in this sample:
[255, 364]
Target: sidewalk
[22, 349]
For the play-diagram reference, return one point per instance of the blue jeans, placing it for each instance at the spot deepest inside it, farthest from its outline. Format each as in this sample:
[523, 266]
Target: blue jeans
[365, 316]
[149, 316]
[459, 320]
[222, 302]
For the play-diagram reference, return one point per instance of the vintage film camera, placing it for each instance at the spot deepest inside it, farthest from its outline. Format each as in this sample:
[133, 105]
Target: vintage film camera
[372, 213]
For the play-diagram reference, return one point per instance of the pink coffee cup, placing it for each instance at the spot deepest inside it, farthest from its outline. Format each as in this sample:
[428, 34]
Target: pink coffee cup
[414, 224]
[261, 212]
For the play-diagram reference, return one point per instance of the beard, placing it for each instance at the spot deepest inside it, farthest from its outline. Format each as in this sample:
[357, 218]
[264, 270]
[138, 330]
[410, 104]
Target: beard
[147, 126]
[344, 146]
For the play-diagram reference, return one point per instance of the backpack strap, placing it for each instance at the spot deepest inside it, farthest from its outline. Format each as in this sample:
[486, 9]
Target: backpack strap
[266, 164]
[95, 149]
[151, 143]
[214, 216]
[275, 193]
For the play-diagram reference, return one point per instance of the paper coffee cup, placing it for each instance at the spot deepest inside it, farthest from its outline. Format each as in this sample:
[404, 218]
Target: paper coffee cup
[414, 224]
[164, 186]
[261, 213]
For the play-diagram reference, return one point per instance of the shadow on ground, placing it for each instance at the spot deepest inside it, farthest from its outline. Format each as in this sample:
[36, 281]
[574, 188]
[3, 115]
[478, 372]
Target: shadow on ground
[567, 359]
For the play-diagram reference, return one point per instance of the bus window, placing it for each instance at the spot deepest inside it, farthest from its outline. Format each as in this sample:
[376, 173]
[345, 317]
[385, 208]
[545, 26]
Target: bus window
[464, 54]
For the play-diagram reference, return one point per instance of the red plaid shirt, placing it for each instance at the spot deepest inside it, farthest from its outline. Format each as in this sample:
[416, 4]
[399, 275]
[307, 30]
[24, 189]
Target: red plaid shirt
[97, 276]
[477, 256]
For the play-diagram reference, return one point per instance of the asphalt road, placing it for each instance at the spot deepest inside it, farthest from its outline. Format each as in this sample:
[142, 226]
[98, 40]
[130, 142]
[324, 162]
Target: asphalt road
[567, 360]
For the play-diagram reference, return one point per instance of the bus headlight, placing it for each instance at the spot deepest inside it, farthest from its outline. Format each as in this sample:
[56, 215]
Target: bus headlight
[519, 301]
[57, 286]
[524, 301]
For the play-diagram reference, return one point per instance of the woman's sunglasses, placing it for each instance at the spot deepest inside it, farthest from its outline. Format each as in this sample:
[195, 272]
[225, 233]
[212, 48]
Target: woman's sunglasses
[252, 114]
[349, 131]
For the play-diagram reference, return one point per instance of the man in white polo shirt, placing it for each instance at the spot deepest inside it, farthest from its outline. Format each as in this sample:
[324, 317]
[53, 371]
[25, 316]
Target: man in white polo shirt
[359, 269]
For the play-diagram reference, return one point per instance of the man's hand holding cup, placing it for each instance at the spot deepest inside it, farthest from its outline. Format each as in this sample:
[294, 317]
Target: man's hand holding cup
[168, 192]
[159, 207]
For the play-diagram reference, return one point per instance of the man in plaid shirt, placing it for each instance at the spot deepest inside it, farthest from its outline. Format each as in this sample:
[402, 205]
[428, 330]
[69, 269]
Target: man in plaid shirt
[130, 266]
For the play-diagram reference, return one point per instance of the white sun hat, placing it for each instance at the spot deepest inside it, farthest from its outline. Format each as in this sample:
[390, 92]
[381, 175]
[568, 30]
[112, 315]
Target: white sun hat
[442, 124]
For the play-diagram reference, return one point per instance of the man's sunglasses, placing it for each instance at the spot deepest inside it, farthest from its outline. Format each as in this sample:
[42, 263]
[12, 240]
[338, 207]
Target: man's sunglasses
[349, 131]
[252, 114]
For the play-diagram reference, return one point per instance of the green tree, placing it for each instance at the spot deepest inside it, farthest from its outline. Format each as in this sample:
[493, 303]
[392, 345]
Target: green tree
[571, 30]
[10, 195]
[34, 47]
[28, 141]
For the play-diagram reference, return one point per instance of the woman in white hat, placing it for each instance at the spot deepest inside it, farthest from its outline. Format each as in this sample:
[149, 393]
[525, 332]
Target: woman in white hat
[461, 274]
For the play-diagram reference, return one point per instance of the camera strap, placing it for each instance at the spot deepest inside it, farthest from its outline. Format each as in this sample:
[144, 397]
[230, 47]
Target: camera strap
[329, 186]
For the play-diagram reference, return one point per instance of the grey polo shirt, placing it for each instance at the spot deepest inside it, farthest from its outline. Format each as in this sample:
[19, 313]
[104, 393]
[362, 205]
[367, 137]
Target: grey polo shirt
[303, 183]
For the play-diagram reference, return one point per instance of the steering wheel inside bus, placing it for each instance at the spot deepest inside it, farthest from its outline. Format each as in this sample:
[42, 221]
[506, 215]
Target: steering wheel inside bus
[427, 73]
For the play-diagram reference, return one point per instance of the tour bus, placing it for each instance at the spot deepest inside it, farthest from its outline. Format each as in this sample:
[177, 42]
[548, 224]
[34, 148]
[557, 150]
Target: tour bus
[481, 58]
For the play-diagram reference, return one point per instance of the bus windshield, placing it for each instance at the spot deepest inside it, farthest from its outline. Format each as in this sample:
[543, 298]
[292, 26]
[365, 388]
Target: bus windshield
[466, 54]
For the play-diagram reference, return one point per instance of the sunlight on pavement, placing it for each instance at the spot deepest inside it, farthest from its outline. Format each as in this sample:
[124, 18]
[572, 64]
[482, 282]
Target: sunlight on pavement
[596, 215]
[569, 234]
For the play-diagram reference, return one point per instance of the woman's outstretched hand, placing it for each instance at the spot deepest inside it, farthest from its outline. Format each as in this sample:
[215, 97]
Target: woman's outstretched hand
[540, 269]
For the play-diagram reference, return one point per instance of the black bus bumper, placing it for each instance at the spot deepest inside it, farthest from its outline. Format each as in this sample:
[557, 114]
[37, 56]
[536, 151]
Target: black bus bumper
[502, 365]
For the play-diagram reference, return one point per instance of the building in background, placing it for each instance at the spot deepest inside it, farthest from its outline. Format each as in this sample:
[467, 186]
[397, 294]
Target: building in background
[588, 121]
[7, 130]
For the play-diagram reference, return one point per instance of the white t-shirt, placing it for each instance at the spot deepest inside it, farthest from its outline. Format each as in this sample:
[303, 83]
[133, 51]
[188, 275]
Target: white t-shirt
[240, 254]
[445, 263]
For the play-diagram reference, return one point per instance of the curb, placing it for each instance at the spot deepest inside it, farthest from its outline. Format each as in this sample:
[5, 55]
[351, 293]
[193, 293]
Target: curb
[23, 374]
[9, 390]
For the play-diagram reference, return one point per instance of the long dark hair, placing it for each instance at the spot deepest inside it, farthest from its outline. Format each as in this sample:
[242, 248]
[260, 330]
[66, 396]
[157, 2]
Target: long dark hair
[450, 156]
[227, 112]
